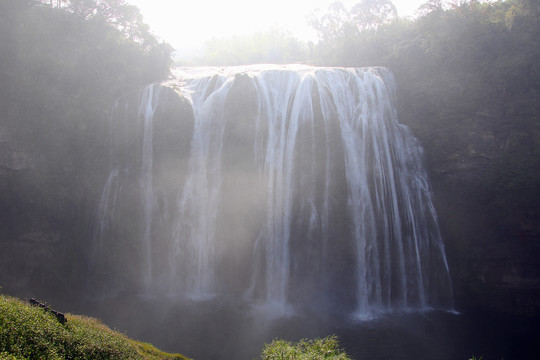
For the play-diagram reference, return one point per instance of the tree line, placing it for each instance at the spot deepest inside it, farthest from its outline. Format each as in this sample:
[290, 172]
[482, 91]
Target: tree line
[119, 14]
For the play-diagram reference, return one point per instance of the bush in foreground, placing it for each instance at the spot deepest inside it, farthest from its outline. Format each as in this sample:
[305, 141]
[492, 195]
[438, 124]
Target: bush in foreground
[327, 348]
[28, 332]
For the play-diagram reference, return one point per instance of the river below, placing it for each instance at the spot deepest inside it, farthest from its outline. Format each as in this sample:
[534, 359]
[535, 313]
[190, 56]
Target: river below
[206, 330]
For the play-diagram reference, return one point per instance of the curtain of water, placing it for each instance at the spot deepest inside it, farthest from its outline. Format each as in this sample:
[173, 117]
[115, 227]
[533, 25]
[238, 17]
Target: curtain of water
[193, 257]
[307, 121]
[148, 105]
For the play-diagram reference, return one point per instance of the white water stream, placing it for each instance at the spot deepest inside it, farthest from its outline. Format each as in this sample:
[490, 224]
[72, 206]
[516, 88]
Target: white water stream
[398, 255]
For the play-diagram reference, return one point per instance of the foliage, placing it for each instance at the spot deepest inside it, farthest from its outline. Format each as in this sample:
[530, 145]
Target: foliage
[27, 332]
[339, 23]
[333, 25]
[370, 14]
[69, 64]
[327, 348]
[273, 46]
[61, 72]
[468, 82]
[126, 18]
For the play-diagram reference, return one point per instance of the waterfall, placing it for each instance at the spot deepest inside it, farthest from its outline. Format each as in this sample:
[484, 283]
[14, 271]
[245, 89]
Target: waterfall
[103, 259]
[301, 189]
[103, 221]
[147, 108]
[274, 90]
[194, 240]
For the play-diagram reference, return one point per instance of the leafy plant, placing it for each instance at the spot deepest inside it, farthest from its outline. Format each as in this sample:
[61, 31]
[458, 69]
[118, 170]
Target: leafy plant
[327, 348]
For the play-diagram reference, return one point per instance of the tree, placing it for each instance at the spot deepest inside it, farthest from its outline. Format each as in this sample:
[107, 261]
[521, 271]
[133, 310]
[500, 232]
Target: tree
[273, 46]
[370, 14]
[124, 17]
[431, 6]
[338, 23]
[335, 24]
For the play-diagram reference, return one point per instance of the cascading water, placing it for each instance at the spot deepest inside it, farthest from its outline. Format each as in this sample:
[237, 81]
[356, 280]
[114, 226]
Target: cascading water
[103, 221]
[147, 109]
[193, 257]
[275, 90]
[301, 189]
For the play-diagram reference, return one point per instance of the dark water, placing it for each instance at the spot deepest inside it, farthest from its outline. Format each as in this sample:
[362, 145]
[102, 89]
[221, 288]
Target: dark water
[208, 330]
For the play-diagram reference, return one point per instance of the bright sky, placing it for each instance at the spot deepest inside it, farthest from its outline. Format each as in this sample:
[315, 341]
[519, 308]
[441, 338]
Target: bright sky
[186, 25]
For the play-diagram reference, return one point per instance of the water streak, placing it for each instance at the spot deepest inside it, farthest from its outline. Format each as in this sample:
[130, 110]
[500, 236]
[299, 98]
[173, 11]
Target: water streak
[148, 105]
[193, 257]
[345, 201]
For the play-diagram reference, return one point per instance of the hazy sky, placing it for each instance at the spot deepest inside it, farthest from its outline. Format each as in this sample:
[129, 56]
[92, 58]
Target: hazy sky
[188, 24]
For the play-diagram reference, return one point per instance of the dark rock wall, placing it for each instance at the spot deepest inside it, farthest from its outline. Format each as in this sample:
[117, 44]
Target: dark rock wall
[50, 189]
[485, 172]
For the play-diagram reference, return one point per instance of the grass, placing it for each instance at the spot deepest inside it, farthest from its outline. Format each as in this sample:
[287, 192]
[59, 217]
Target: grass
[327, 348]
[28, 332]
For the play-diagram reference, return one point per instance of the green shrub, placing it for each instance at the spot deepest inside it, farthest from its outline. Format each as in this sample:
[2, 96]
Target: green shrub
[327, 348]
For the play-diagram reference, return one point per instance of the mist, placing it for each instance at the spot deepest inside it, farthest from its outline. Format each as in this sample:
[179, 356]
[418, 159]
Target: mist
[378, 182]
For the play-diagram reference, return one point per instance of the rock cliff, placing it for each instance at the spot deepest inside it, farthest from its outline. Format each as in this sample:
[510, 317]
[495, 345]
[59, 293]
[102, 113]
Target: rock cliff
[485, 172]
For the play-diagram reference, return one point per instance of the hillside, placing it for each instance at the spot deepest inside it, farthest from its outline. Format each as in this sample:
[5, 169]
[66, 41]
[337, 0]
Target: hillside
[29, 332]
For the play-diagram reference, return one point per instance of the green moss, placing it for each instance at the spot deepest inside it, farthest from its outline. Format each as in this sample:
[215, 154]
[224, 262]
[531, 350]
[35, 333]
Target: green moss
[28, 332]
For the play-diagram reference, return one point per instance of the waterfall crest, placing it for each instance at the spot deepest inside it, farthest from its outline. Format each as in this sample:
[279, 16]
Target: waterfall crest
[302, 188]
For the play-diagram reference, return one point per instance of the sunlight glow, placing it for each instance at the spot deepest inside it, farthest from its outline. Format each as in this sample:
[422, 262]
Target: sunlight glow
[188, 24]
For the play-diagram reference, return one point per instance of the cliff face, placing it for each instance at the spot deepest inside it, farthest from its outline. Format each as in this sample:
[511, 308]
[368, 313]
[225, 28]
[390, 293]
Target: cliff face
[50, 186]
[59, 74]
[146, 155]
[483, 167]
[34, 232]
[485, 172]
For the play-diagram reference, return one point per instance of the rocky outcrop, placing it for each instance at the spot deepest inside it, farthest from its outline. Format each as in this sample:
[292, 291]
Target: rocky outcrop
[122, 219]
[485, 174]
[58, 315]
[49, 191]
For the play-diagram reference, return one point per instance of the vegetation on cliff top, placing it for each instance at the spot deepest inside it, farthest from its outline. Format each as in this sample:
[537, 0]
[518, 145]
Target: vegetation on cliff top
[28, 332]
